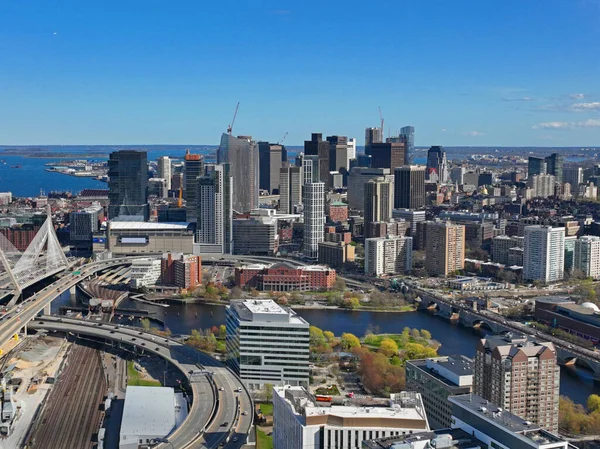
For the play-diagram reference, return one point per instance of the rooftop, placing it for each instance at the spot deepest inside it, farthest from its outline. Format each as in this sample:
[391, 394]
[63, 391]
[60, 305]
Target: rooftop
[554, 300]
[148, 226]
[148, 411]
[459, 438]
[265, 310]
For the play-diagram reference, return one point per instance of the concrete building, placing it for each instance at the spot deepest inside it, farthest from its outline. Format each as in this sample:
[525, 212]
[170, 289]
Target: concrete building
[543, 185]
[290, 189]
[411, 216]
[181, 270]
[284, 277]
[241, 153]
[445, 248]
[457, 175]
[130, 238]
[437, 165]
[255, 235]
[587, 256]
[301, 421]
[439, 438]
[356, 184]
[267, 343]
[521, 376]
[314, 218]
[128, 185]
[543, 253]
[144, 272]
[351, 150]
[501, 246]
[338, 154]
[215, 214]
[560, 312]
[270, 162]
[149, 414]
[82, 225]
[388, 255]
[372, 135]
[320, 149]
[388, 155]
[379, 202]
[335, 254]
[498, 428]
[5, 198]
[436, 379]
[193, 168]
[158, 187]
[163, 165]
[409, 187]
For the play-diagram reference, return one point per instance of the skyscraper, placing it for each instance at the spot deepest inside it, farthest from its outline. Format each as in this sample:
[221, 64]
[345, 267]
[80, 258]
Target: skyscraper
[372, 135]
[408, 132]
[554, 166]
[379, 203]
[241, 153]
[536, 166]
[290, 190]
[164, 170]
[314, 218]
[542, 185]
[128, 185]
[437, 163]
[316, 146]
[520, 376]
[214, 220]
[445, 250]
[356, 184]
[351, 150]
[587, 256]
[388, 255]
[388, 155]
[270, 161]
[310, 169]
[409, 187]
[543, 254]
[193, 167]
[338, 153]
[574, 176]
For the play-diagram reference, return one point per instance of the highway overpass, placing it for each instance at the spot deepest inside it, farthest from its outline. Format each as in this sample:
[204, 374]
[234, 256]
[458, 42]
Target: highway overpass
[211, 405]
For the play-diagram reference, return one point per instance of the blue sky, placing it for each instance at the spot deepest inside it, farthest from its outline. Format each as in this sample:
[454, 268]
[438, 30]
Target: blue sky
[477, 72]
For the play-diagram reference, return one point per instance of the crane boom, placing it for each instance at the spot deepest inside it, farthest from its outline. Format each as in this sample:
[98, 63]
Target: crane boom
[230, 127]
[381, 118]
[283, 138]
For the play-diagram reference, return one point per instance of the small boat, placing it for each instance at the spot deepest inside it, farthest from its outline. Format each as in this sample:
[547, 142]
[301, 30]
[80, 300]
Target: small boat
[16, 166]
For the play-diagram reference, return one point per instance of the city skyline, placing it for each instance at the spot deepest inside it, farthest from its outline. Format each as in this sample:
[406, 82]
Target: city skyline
[84, 75]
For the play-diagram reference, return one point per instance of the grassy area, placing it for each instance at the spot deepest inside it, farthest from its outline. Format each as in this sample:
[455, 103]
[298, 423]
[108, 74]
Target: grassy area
[134, 378]
[330, 391]
[263, 441]
[266, 409]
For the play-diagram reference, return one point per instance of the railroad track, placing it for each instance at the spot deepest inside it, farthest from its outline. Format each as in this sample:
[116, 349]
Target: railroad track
[72, 413]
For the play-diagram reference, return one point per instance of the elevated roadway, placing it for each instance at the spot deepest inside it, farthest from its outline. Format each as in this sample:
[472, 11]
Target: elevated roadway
[219, 399]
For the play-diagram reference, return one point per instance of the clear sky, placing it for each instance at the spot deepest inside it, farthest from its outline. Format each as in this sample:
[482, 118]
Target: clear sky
[463, 72]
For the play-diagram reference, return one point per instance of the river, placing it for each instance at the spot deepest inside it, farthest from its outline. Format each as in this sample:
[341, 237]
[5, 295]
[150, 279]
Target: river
[576, 383]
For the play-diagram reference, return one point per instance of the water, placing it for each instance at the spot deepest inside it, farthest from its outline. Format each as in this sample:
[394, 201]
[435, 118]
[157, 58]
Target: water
[576, 383]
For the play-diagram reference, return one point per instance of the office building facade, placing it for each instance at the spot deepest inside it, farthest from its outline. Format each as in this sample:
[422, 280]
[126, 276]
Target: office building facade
[319, 148]
[266, 344]
[445, 248]
[163, 165]
[388, 255]
[408, 134]
[290, 189]
[82, 225]
[379, 202]
[388, 155]
[372, 135]
[193, 168]
[573, 176]
[314, 218]
[255, 235]
[270, 163]
[587, 256]
[543, 253]
[128, 185]
[409, 187]
[356, 184]
[437, 165]
[521, 376]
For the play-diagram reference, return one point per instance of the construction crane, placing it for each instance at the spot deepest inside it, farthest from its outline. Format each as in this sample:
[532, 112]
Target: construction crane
[180, 198]
[381, 118]
[230, 127]
[282, 139]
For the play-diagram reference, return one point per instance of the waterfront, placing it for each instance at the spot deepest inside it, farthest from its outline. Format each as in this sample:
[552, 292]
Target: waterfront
[576, 383]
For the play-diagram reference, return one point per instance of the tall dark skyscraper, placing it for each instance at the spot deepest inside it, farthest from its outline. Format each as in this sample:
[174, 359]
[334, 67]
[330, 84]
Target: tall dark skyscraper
[214, 222]
[536, 166]
[128, 185]
[270, 157]
[316, 146]
[408, 132]
[437, 165]
[338, 153]
[241, 153]
[549, 165]
[388, 155]
[193, 167]
[372, 135]
[409, 187]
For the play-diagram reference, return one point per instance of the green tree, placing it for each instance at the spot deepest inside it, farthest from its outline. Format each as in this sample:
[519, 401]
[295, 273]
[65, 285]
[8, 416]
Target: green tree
[352, 303]
[222, 331]
[416, 334]
[425, 334]
[269, 392]
[349, 341]
[329, 336]
[145, 323]
[388, 347]
[316, 336]
[593, 403]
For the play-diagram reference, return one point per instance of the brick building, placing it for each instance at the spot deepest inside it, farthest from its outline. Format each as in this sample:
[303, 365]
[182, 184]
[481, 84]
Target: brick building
[283, 277]
[183, 271]
[337, 212]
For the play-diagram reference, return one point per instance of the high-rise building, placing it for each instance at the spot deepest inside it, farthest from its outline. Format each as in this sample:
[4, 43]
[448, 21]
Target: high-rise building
[241, 153]
[521, 376]
[338, 153]
[214, 220]
[542, 185]
[290, 189]
[549, 165]
[316, 146]
[408, 133]
[457, 175]
[128, 185]
[388, 255]
[255, 235]
[536, 166]
[413, 217]
[574, 176]
[543, 253]
[388, 155]
[409, 187]
[266, 344]
[314, 218]
[445, 249]
[437, 163]
[164, 170]
[372, 135]
[356, 184]
[587, 256]
[310, 169]
[193, 168]
[379, 202]
[501, 246]
[351, 151]
[270, 162]
[82, 225]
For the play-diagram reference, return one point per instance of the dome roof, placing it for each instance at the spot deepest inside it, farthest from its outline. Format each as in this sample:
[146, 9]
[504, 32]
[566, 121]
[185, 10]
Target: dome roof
[591, 305]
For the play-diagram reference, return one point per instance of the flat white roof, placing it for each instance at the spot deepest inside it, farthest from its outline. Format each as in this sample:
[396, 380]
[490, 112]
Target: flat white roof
[264, 306]
[149, 226]
[365, 412]
[148, 411]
